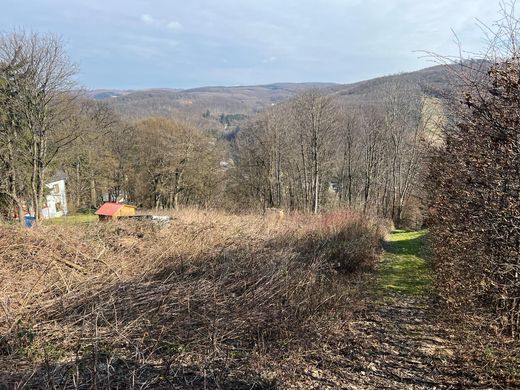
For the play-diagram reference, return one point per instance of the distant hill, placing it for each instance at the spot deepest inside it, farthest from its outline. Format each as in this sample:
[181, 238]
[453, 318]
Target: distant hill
[221, 108]
[165, 102]
[103, 94]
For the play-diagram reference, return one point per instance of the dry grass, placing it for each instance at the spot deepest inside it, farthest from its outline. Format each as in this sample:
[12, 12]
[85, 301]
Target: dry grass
[209, 300]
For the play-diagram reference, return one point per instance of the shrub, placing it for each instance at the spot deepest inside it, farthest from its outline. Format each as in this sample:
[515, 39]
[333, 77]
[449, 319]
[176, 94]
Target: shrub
[476, 210]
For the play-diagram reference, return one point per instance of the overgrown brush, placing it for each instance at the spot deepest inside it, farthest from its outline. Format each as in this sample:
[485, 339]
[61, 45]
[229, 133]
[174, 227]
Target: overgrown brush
[475, 232]
[476, 208]
[198, 302]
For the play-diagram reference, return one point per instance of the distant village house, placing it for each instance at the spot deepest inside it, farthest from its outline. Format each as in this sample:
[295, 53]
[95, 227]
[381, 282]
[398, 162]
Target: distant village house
[56, 201]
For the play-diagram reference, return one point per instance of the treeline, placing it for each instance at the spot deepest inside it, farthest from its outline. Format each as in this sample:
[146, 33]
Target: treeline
[41, 114]
[313, 153]
[47, 125]
[309, 154]
[155, 163]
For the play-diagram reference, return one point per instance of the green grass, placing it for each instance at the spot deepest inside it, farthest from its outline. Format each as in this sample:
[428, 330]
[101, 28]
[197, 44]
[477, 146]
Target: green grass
[404, 270]
[73, 219]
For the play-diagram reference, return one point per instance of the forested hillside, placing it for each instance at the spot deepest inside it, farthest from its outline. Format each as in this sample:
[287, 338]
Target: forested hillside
[206, 106]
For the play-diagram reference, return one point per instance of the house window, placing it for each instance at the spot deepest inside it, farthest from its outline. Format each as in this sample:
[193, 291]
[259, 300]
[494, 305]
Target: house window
[55, 189]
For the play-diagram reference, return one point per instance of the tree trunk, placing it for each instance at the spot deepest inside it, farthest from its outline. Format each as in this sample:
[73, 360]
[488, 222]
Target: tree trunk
[93, 194]
[34, 180]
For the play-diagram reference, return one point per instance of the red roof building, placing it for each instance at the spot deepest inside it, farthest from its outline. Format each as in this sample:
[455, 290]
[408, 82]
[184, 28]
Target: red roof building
[115, 210]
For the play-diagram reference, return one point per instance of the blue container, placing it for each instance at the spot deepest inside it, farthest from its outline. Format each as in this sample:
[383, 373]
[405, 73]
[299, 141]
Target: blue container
[29, 221]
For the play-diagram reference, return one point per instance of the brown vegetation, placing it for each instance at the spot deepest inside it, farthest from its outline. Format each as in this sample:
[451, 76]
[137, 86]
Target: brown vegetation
[202, 301]
[209, 103]
[475, 183]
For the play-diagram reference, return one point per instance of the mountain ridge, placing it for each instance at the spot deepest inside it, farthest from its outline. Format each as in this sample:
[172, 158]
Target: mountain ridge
[211, 107]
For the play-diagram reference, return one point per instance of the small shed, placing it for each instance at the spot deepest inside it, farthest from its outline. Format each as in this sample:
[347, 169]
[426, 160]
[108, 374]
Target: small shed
[112, 210]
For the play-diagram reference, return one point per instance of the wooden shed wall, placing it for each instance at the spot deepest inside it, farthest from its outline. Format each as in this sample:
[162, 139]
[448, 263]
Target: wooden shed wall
[126, 211]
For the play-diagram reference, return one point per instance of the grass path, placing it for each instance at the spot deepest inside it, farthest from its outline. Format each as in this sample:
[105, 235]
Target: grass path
[404, 270]
[398, 340]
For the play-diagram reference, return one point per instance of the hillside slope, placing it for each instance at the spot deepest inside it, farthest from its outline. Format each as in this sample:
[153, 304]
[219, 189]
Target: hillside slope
[208, 106]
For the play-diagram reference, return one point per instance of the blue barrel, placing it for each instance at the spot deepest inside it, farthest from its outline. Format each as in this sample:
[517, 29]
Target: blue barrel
[29, 221]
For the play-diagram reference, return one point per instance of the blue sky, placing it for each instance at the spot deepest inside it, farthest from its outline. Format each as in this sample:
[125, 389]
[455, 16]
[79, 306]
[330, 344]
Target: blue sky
[182, 43]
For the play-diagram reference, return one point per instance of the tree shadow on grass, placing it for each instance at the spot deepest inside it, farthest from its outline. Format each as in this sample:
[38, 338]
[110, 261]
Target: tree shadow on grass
[128, 374]
[411, 246]
[403, 269]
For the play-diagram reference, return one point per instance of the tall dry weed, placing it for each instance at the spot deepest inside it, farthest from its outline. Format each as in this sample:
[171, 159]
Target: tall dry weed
[209, 293]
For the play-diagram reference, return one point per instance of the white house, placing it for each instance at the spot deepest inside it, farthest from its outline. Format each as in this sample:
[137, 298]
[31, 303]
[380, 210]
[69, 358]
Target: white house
[56, 200]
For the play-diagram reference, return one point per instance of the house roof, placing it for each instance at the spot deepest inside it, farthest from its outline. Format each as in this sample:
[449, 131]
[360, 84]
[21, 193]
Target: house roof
[110, 208]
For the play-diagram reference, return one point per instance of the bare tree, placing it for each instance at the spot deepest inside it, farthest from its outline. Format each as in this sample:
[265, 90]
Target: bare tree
[315, 119]
[43, 102]
[405, 122]
[12, 177]
[174, 161]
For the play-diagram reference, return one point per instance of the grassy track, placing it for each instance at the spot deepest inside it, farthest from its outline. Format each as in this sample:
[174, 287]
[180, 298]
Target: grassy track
[400, 334]
[403, 269]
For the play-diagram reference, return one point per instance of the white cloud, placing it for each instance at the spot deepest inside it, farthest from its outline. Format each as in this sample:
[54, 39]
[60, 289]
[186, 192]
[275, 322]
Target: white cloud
[269, 60]
[173, 25]
[147, 19]
[146, 40]
[161, 23]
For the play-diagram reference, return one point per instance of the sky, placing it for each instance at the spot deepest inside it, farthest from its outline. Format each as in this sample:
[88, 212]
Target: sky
[135, 44]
